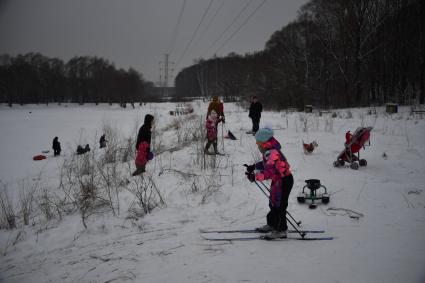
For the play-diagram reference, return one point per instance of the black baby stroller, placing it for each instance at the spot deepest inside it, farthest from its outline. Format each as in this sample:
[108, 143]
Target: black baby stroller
[353, 144]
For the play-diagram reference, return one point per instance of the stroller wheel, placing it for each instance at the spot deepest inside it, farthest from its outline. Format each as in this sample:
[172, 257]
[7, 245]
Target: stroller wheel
[362, 162]
[312, 205]
[301, 199]
[354, 165]
[338, 163]
[325, 198]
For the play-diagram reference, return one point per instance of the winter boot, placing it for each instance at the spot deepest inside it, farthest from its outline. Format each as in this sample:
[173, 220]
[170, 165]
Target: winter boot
[275, 235]
[215, 148]
[264, 229]
[139, 171]
[207, 146]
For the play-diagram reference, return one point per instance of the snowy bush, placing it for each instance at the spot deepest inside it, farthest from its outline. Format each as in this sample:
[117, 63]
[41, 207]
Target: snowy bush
[147, 195]
[27, 193]
[348, 114]
[7, 210]
[329, 124]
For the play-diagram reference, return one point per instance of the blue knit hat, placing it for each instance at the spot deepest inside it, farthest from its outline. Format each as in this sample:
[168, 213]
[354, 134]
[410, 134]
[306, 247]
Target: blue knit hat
[263, 134]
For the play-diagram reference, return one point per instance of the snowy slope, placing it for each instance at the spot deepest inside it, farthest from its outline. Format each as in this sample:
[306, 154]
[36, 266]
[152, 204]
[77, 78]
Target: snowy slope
[385, 244]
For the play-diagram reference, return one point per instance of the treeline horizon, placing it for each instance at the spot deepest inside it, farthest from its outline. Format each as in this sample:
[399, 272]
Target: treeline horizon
[35, 78]
[340, 53]
[335, 54]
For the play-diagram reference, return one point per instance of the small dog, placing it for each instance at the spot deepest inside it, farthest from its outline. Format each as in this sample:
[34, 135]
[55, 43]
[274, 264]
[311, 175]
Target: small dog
[308, 148]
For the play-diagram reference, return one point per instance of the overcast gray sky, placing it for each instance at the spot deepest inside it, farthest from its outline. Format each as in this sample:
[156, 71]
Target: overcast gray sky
[137, 33]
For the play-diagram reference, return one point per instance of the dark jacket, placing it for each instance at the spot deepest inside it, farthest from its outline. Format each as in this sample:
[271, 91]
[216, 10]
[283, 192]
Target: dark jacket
[145, 131]
[217, 106]
[56, 144]
[255, 110]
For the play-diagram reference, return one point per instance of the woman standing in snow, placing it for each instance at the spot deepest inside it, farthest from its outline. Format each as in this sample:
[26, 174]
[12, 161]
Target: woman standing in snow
[143, 145]
[56, 146]
[275, 167]
[255, 110]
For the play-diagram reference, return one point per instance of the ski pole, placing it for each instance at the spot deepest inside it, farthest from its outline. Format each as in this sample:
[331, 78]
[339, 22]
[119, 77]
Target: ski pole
[287, 212]
[262, 190]
[302, 234]
[297, 222]
[222, 135]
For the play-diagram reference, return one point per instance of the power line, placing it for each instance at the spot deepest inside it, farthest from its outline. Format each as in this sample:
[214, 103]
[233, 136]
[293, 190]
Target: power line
[194, 34]
[239, 28]
[176, 29]
[228, 27]
[209, 24]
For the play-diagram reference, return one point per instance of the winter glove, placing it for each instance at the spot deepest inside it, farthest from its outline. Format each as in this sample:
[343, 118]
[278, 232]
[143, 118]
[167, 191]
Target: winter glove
[150, 155]
[260, 177]
[250, 168]
[250, 176]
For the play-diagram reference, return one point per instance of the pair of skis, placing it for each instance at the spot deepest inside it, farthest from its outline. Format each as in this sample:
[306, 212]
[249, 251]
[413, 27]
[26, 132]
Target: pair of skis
[257, 235]
[219, 153]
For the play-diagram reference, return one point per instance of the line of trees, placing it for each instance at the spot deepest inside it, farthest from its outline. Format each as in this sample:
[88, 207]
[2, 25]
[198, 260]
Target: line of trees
[34, 78]
[339, 53]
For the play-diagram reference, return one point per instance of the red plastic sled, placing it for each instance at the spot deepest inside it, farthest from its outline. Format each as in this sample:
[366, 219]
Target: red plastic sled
[39, 157]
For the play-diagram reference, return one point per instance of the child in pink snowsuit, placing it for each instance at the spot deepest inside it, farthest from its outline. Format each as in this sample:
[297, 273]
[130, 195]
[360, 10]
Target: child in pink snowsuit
[211, 125]
[275, 167]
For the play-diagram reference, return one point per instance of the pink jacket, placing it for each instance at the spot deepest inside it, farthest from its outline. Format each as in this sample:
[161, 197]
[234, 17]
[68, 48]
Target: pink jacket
[274, 167]
[211, 125]
[142, 154]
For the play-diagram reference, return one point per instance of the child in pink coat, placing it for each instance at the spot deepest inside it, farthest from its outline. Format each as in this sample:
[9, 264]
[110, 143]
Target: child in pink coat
[211, 125]
[276, 168]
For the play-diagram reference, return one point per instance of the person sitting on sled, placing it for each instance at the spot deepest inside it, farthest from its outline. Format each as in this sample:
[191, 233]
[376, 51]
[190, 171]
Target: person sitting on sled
[143, 145]
[211, 125]
[275, 167]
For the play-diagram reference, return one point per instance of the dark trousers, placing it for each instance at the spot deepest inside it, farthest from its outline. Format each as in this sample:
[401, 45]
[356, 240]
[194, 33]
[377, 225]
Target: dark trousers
[276, 218]
[255, 124]
[56, 152]
[209, 143]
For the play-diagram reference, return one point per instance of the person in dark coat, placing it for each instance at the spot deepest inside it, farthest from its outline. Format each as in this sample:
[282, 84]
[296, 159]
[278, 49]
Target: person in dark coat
[81, 150]
[102, 141]
[143, 145]
[145, 131]
[255, 113]
[56, 147]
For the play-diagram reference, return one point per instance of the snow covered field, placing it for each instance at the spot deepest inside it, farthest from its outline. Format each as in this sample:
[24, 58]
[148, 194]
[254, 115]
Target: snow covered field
[376, 214]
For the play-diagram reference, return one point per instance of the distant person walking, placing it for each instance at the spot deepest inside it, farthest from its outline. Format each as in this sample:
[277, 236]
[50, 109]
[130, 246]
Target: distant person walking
[143, 145]
[56, 147]
[255, 113]
[102, 141]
